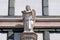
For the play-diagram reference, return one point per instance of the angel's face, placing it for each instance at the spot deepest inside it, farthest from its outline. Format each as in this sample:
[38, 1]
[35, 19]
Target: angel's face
[28, 8]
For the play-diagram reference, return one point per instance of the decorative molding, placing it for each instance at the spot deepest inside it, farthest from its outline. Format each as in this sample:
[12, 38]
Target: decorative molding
[40, 23]
[29, 34]
[37, 20]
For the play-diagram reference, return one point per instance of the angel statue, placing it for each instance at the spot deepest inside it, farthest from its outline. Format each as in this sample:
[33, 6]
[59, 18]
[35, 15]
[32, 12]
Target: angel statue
[29, 19]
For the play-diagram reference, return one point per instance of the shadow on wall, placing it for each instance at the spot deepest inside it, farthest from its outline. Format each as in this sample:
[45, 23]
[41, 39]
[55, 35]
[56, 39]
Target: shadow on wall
[19, 26]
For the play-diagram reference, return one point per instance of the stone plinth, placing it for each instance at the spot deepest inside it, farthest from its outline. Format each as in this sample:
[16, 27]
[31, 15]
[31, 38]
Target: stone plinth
[28, 35]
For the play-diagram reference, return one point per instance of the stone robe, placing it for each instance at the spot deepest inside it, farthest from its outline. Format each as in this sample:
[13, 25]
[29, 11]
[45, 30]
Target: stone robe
[28, 22]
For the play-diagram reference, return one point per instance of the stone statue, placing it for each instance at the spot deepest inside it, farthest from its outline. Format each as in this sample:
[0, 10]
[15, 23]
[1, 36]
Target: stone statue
[29, 19]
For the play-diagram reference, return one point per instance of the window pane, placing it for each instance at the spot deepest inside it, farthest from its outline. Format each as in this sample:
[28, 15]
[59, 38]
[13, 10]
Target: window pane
[3, 36]
[3, 7]
[35, 4]
[54, 7]
[16, 36]
[54, 36]
[39, 36]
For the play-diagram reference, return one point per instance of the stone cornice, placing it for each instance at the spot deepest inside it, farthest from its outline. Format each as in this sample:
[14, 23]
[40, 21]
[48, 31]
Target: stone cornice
[37, 20]
[40, 23]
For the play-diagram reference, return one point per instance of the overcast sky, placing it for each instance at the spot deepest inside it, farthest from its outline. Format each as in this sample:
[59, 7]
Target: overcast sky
[53, 5]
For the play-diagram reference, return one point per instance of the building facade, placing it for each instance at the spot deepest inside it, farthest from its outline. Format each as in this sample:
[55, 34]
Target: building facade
[47, 24]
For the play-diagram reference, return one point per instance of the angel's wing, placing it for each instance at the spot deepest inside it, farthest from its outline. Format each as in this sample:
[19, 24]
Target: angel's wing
[23, 14]
[33, 13]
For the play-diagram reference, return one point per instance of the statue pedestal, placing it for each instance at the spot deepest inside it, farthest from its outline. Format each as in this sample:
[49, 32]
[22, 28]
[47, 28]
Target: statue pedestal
[28, 36]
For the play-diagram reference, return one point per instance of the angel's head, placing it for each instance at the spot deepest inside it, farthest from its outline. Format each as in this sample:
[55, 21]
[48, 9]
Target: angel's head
[28, 8]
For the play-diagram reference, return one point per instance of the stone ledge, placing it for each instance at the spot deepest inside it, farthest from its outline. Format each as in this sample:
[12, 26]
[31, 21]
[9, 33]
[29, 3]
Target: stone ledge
[37, 20]
[37, 25]
[40, 23]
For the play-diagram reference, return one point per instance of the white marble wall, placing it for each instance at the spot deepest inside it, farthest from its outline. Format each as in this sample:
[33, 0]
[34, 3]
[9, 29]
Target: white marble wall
[3, 7]
[54, 36]
[39, 36]
[3, 36]
[35, 4]
[54, 7]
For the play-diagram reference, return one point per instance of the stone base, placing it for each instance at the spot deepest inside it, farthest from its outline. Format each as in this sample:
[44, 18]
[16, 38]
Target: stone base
[28, 35]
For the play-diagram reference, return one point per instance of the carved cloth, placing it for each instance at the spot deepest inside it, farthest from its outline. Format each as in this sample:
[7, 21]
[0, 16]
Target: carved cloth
[28, 23]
